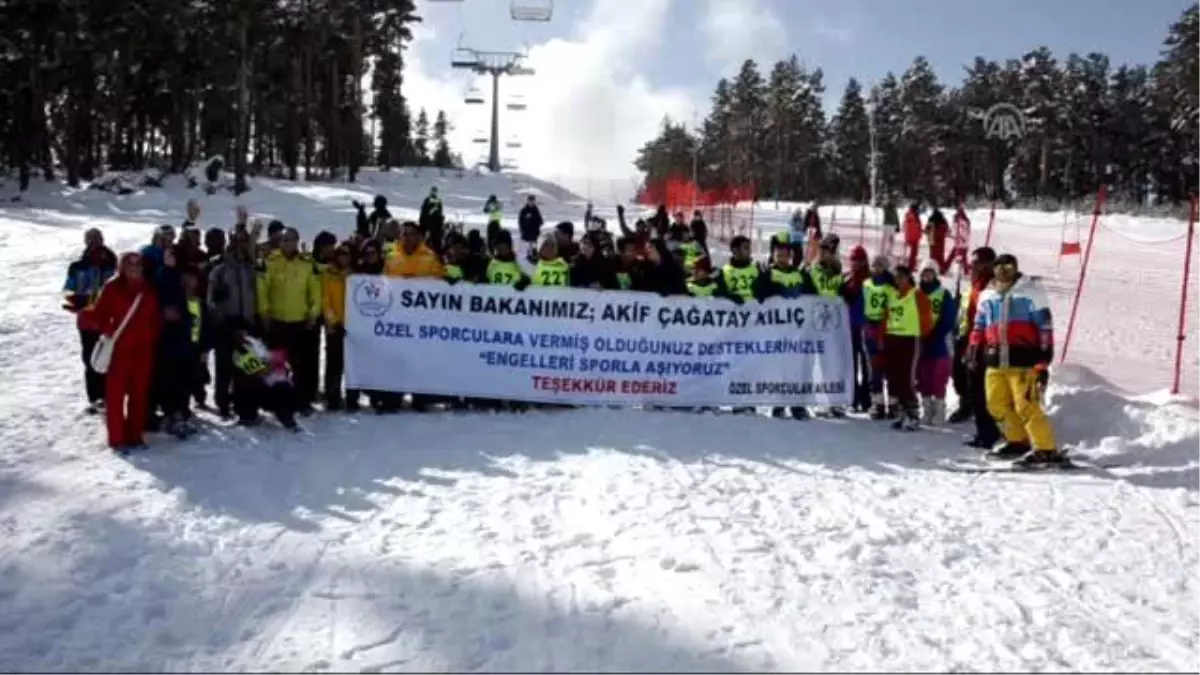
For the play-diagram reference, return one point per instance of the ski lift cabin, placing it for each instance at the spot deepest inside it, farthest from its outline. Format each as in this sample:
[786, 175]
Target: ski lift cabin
[531, 10]
[474, 96]
[517, 102]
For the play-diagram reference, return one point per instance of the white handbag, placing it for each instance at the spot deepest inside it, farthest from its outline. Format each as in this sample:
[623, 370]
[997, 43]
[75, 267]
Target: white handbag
[102, 354]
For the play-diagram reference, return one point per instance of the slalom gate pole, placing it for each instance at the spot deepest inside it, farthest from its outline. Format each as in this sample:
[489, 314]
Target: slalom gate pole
[1101, 196]
[987, 240]
[1183, 296]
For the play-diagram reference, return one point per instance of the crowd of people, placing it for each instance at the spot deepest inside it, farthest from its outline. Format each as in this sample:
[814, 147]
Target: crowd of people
[257, 311]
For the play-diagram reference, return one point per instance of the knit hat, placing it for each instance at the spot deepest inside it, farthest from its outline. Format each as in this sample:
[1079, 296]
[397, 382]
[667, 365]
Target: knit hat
[881, 261]
[858, 254]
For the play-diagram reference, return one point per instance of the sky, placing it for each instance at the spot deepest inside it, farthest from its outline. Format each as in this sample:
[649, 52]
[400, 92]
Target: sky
[608, 71]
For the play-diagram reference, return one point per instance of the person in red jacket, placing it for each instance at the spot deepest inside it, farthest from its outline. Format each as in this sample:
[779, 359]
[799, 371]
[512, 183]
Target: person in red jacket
[936, 231]
[912, 234]
[132, 367]
[962, 239]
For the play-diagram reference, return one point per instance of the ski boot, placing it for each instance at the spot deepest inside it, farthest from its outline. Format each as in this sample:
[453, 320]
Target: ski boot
[878, 410]
[837, 412]
[907, 421]
[799, 412]
[979, 442]
[1043, 458]
[893, 409]
[962, 414]
[1008, 451]
[778, 413]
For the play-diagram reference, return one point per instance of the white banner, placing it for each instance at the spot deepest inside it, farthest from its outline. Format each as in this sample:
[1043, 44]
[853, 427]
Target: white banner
[585, 347]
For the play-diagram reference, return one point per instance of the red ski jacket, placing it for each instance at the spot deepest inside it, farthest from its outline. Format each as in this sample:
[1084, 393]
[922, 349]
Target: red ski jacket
[141, 334]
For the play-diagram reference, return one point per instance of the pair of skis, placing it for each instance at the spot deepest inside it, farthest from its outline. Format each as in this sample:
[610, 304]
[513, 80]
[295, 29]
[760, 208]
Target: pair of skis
[984, 464]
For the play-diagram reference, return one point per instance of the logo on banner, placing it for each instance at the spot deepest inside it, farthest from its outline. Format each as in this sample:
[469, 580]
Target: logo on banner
[828, 317]
[372, 298]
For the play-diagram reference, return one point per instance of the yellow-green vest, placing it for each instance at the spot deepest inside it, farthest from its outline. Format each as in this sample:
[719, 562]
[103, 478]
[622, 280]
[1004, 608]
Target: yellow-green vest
[454, 272]
[193, 306]
[936, 300]
[903, 317]
[248, 362]
[503, 272]
[875, 299]
[624, 280]
[788, 279]
[829, 284]
[552, 273]
[691, 253]
[740, 280]
[701, 290]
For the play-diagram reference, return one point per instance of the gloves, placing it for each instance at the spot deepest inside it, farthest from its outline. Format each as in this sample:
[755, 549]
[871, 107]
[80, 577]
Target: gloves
[522, 284]
[1041, 374]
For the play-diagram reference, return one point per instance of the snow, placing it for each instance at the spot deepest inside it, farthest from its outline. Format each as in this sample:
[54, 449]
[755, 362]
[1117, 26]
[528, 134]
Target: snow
[581, 540]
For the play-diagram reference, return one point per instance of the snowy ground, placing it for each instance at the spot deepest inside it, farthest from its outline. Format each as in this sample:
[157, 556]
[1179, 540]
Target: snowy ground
[574, 540]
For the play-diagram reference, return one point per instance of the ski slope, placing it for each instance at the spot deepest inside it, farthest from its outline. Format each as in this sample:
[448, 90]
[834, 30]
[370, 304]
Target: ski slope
[582, 540]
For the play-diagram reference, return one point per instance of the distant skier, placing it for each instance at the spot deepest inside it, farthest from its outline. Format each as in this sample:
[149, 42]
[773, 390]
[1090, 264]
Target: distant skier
[962, 240]
[912, 234]
[936, 232]
[529, 222]
[432, 220]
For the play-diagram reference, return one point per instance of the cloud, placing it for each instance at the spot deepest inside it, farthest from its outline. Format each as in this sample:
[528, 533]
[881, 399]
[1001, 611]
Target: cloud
[830, 31]
[590, 106]
[737, 30]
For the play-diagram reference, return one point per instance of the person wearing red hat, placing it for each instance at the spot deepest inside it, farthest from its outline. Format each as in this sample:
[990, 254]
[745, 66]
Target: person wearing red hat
[127, 313]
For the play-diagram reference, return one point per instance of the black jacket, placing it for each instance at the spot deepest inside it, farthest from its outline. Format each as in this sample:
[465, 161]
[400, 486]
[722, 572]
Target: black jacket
[530, 222]
[594, 270]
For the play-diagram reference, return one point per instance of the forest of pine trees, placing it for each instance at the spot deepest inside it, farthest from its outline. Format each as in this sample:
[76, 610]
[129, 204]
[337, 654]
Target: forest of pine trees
[271, 86]
[1088, 122]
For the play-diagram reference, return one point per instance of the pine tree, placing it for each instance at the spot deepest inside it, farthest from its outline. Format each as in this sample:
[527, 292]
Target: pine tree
[442, 157]
[851, 133]
[421, 139]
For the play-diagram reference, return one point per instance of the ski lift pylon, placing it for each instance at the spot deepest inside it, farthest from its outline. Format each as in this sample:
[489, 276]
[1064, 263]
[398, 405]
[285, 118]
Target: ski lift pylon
[531, 10]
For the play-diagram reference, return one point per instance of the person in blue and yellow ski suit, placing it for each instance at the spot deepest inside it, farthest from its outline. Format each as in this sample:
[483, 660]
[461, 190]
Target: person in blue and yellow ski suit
[1015, 331]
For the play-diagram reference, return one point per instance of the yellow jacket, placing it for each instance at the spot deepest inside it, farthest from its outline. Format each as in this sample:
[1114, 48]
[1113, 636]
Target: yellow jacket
[333, 296]
[421, 263]
[289, 290]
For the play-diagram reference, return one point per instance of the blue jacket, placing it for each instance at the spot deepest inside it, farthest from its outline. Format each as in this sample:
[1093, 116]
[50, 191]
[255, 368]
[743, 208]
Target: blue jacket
[940, 342]
[152, 259]
[85, 278]
[176, 337]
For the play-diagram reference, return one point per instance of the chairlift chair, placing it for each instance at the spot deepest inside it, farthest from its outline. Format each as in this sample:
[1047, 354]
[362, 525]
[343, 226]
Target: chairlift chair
[513, 143]
[474, 96]
[517, 102]
[531, 10]
[463, 58]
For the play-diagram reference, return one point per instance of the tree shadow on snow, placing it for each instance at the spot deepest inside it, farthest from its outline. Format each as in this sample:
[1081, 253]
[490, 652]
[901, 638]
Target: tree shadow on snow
[133, 595]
